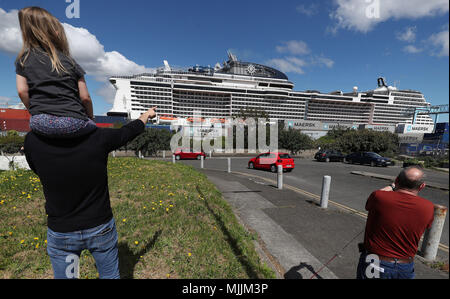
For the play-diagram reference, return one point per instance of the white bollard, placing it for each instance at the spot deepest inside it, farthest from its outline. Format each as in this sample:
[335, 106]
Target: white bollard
[326, 183]
[280, 177]
[114, 154]
[210, 154]
[432, 236]
[229, 165]
[202, 159]
[164, 154]
[173, 159]
[140, 155]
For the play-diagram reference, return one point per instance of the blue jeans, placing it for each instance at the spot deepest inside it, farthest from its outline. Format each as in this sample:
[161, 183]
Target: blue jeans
[385, 270]
[64, 250]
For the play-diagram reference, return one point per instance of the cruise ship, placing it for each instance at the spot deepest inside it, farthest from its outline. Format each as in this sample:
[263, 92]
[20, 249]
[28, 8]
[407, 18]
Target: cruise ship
[222, 91]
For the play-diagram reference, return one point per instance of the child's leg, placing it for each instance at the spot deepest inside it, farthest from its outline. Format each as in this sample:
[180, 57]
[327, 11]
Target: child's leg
[60, 127]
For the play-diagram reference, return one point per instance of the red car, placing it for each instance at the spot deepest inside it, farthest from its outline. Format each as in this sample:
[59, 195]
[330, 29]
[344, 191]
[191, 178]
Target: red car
[181, 154]
[271, 161]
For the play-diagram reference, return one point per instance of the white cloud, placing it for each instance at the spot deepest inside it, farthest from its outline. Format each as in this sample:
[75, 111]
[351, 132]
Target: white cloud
[440, 42]
[408, 35]
[309, 10]
[412, 49]
[294, 47]
[91, 55]
[363, 16]
[10, 35]
[107, 92]
[5, 100]
[85, 49]
[321, 61]
[288, 64]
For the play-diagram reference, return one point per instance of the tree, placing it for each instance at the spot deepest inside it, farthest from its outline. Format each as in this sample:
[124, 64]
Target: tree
[368, 141]
[151, 142]
[11, 143]
[294, 140]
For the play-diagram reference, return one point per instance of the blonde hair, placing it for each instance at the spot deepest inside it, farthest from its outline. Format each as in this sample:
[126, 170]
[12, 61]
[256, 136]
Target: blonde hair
[41, 30]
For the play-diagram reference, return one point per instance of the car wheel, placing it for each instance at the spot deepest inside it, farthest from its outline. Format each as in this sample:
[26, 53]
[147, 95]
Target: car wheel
[251, 165]
[199, 157]
[273, 168]
[177, 157]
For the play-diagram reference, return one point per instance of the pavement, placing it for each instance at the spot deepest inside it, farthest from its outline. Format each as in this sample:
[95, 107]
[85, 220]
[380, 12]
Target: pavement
[297, 238]
[347, 189]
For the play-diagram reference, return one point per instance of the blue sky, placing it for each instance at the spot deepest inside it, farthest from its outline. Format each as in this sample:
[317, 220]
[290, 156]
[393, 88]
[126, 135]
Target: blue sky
[322, 45]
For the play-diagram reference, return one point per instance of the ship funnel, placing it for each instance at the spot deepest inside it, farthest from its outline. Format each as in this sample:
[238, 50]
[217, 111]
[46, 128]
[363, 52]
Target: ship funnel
[382, 82]
[166, 66]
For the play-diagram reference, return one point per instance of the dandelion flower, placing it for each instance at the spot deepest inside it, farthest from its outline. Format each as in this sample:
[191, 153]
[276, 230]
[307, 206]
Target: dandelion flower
[136, 242]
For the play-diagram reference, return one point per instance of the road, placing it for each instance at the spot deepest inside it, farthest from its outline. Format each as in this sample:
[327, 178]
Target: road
[346, 188]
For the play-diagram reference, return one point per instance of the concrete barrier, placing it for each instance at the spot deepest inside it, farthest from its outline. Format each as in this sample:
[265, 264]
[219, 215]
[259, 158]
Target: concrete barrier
[280, 177]
[326, 183]
[432, 236]
[19, 162]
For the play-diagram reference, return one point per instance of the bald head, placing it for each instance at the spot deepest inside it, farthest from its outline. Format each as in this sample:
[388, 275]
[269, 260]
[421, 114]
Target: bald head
[411, 178]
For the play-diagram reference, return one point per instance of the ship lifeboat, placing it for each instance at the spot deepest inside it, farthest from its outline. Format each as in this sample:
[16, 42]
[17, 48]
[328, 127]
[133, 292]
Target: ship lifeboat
[168, 117]
[218, 120]
[197, 119]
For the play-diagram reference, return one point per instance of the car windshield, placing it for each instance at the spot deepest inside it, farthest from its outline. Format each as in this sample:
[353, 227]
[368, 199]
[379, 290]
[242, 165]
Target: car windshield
[285, 156]
[375, 155]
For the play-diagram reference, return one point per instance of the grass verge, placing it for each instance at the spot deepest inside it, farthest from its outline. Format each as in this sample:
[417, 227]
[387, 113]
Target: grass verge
[172, 223]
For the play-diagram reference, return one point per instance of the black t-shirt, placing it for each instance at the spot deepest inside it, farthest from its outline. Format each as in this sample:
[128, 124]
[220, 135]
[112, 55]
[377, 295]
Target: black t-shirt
[50, 92]
[73, 173]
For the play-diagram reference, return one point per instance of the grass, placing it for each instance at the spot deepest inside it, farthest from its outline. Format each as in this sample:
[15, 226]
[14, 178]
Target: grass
[172, 223]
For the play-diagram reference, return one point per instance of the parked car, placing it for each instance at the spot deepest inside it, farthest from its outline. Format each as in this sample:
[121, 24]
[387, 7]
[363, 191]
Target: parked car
[371, 158]
[271, 161]
[181, 154]
[329, 156]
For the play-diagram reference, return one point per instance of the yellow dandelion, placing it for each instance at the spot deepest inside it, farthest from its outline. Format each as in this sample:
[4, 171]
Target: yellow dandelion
[136, 242]
[168, 275]
[22, 241]
[189, 254]
[124, 220]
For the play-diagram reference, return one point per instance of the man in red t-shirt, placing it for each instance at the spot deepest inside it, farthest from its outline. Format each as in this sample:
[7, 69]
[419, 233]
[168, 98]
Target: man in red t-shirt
[397, 220]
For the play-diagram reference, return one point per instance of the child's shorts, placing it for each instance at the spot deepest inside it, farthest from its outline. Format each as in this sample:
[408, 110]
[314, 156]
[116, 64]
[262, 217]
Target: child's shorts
[61, 127]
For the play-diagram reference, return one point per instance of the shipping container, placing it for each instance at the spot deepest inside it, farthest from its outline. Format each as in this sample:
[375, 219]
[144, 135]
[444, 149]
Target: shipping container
[7, 113]
[19, 125]
[110, 119]
[105, 125]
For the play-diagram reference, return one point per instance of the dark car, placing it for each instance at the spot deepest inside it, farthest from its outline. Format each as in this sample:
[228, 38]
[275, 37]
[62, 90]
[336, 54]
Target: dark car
[329, 156]
[373, 159]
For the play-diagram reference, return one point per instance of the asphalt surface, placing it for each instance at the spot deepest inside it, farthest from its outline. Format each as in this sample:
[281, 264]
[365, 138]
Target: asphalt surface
[300, 239]
[346, 188]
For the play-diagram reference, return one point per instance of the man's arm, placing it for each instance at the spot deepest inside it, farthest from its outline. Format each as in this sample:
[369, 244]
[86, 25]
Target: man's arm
[119, 137]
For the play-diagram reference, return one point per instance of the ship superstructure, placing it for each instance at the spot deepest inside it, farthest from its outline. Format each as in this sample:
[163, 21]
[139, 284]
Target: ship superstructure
[224, 90]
